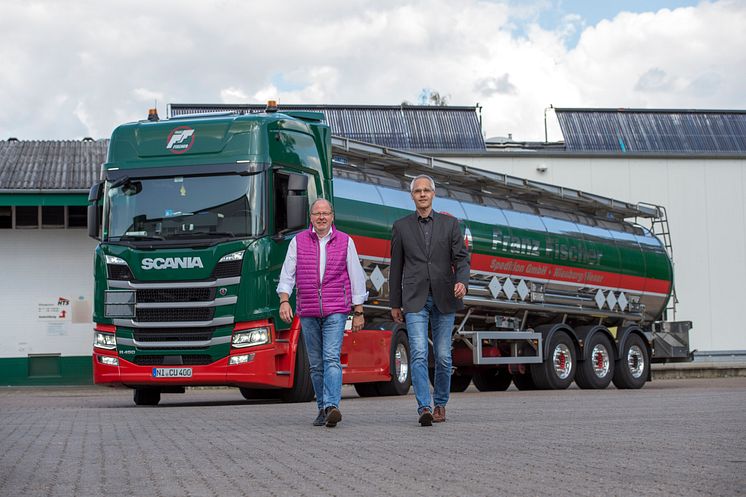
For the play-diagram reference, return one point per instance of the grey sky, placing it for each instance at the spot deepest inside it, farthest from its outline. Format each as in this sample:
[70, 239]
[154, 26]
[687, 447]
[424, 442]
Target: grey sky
[80, 67]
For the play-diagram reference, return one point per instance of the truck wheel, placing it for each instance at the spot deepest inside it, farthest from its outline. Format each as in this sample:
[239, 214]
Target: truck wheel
[524, 381]
[597, 370]
[147, 396]
[258, 393]
[367, 389]
[302, 389]
[460, 382]
[401, 375]
[558, 371]
[631, 368]
[492, 380]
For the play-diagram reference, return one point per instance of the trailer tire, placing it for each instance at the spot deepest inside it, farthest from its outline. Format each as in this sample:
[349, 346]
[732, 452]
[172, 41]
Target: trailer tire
[460, 382]
[302, 389]
[558, 370]
[524, 381]
[147, 396]
[492, 380]
[597, 370]
[632, 367]
[401, 376]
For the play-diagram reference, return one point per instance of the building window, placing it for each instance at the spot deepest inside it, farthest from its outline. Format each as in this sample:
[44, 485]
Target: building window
[77, 216]
[52, 216]
[6, 217]
[27, 216]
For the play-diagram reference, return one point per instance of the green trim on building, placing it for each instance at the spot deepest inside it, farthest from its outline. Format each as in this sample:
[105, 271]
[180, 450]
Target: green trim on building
[46, 370]
[48, 199]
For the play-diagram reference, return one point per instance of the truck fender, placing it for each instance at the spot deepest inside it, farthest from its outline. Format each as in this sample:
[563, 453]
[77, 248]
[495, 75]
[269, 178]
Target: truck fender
[547, 332]
[585, 333]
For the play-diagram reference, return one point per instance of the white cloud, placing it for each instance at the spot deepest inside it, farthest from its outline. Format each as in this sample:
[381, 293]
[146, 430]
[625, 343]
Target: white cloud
[356, 52]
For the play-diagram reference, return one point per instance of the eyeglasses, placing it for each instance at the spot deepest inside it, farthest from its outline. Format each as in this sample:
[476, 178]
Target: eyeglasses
[421, 190]
[325, 214]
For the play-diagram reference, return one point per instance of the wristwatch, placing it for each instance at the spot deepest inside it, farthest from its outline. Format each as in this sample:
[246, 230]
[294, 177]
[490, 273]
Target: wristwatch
[357, 313]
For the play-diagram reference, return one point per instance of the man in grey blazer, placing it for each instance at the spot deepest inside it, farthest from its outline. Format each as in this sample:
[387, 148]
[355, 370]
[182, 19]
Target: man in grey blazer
[428, 278]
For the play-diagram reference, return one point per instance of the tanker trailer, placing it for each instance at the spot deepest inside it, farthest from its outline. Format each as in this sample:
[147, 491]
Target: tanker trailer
[565, 286]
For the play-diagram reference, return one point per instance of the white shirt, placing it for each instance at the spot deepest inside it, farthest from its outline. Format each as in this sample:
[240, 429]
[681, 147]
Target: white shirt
[354, 269]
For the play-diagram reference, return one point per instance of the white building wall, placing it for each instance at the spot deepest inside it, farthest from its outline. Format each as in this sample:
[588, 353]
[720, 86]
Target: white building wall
[37, 268]
[706, 204]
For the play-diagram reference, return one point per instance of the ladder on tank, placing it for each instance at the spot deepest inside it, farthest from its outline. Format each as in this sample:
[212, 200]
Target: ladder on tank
[659, 227]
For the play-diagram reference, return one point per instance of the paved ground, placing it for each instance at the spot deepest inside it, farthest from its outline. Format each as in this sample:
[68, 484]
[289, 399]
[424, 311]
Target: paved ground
[672, 438]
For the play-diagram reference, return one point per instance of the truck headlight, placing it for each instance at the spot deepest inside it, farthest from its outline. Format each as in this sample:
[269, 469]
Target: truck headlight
[240, 359]
[235, 256]
[250, 338]
[108, 360]
[104, 340]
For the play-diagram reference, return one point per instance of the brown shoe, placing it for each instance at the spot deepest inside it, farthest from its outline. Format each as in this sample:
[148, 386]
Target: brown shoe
[439, 415]
[426, 417]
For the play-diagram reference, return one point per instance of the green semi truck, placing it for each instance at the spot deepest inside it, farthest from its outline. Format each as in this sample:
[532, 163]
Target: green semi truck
[194, 216]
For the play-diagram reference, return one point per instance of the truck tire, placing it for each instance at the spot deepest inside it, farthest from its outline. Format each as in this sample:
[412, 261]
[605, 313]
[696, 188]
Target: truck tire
[147, 396]
[302, 389]
[597, 370]
[258, 393]
[632, 367]
[524, 381]
[492, 380]
[401, 374]
[558, 370]
[367, 389]
[460, 382]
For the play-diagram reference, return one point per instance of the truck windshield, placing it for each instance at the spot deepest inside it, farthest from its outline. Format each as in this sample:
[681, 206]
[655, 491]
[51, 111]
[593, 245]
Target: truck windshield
[184, 207]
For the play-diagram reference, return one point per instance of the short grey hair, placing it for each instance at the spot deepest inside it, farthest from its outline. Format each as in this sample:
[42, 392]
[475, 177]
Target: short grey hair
[422, 176]
[331, 207]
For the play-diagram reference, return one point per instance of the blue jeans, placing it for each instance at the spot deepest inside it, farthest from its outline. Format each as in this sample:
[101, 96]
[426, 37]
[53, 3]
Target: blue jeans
[442, 325]
[323, 338]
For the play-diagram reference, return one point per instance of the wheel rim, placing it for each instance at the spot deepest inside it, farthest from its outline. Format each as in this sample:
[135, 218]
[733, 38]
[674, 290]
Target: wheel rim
[601, 361]
[402, 363]
[635, 361]
[562, 361]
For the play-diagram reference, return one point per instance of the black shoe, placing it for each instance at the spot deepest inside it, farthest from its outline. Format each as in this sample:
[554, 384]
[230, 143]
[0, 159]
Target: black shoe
[320, 419]
[333, 416]
[426, 417]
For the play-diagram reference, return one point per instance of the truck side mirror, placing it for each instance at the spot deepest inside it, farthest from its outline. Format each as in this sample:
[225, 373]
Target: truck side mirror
[94, 219]
[297, 201]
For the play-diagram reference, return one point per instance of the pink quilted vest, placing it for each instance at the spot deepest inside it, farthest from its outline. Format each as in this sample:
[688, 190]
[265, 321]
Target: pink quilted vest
[334, 294]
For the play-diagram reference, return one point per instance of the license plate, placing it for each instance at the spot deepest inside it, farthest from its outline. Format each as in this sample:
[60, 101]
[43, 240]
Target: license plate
[172, 372]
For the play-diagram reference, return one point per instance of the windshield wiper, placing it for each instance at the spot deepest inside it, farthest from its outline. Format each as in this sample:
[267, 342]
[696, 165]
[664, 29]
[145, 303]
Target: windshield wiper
[137, 237]
[184, 234]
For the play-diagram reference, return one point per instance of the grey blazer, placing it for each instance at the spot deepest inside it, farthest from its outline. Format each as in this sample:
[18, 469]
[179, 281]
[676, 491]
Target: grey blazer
[413, 271]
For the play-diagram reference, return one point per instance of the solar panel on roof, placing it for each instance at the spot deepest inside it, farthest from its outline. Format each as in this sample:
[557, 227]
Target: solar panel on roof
[665, 131]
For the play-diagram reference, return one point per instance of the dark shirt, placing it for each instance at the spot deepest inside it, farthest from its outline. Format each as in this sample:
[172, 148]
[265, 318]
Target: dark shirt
[426, 227]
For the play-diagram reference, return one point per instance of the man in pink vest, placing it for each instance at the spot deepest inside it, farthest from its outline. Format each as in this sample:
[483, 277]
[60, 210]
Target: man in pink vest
[322, 264]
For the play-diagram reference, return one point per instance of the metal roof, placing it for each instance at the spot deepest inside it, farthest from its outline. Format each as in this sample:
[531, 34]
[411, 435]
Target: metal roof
[50, 166]
[654, 130]
[409, 127]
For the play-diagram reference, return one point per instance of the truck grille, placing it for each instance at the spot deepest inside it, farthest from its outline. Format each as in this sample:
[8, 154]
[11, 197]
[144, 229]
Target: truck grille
[173, 334]
[174, 315]
[186, 360]
[227, 269]
[175, 295]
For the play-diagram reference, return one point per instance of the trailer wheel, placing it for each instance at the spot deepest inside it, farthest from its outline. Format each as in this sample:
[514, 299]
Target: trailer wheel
[147, 396]
[401, 373]
[631, 368]
[524, 381]
[558, 371]
[302, 389]
[597, 370]
[492, 380]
